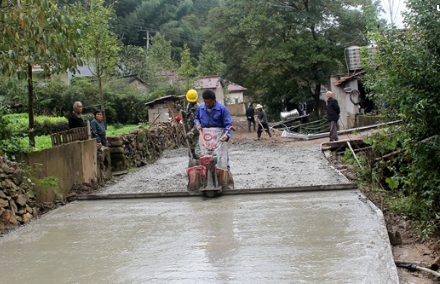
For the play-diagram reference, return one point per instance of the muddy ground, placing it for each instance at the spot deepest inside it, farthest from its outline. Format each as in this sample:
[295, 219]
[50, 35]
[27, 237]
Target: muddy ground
[273, 162]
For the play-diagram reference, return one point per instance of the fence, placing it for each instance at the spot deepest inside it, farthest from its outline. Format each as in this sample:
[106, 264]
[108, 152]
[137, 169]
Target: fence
[71, 135]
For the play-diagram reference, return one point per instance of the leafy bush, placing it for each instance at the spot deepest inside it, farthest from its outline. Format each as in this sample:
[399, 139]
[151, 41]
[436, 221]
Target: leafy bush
[18, 124]
[125, 108]
[403, 74]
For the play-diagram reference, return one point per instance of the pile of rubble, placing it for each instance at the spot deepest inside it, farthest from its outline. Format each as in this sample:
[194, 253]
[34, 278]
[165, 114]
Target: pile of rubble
[17, 203]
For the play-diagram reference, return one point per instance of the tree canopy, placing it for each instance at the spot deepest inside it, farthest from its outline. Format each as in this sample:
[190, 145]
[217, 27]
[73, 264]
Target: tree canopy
[403, 77]
[37, 32]
[286, 49]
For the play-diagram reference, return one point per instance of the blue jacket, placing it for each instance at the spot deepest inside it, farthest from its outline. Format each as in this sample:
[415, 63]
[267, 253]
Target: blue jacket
[98, 131]
[219, 116]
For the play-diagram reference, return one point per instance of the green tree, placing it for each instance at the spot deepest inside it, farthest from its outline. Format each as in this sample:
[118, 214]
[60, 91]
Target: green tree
[187, 69]
[403, 76]
[99, 45]
[37, 32]
[159, 54]
[210, 61]
[159, 63]
[286, 49]
[133, 60]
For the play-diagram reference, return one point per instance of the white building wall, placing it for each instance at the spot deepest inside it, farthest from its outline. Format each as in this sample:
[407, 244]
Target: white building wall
[219, 94]
[158, 113]
[235, 98]
[348, 109]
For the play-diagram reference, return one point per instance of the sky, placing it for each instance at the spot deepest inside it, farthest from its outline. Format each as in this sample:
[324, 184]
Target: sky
[396, 6]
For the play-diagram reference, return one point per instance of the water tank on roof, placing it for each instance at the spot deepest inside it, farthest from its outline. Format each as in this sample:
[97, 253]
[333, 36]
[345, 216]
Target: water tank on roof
[353, 58]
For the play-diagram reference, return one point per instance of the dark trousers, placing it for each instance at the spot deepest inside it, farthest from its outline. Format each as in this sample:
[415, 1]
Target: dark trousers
[251, 120]
[333, 131]
[264, 128]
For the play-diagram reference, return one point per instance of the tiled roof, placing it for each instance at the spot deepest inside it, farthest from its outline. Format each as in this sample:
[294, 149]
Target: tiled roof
[210, 82]
[232, 87]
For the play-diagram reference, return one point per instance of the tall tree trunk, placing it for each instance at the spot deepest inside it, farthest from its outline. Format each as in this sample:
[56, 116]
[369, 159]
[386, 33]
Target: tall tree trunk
[101, 98]
[31, 106]
[316, 96]
[99, 73]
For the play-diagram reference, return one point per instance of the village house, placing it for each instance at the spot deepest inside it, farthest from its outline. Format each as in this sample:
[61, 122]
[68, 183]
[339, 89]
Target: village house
[235, 93]
[163, 109]
[214, 83]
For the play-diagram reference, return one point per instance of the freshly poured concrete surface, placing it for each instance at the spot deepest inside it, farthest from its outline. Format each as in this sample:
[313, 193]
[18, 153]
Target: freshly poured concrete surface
[313, 237]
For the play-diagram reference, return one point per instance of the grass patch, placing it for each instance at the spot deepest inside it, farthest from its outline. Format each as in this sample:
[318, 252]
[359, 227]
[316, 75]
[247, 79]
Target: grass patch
[116, 130]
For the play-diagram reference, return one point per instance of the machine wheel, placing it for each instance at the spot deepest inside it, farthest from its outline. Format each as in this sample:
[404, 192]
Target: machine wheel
[192, 163]
[209, 193]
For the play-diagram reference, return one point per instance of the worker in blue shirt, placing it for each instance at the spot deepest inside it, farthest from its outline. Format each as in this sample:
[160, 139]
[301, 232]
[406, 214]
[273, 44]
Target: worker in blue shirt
[212, 113]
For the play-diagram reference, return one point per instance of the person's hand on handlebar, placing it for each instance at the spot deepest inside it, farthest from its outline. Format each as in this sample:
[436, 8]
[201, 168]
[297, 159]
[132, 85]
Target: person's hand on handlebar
[224, 138]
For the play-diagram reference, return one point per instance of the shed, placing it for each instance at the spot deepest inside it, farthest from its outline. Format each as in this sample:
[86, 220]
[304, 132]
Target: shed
[352, 98]
[164, 108]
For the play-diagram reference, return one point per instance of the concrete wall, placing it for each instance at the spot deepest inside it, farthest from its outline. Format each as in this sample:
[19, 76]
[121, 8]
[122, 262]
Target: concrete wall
[348, 109]
[219, 94]
[158, 113]
[237, 109]
[73, 163]
[364, 120]
[234, 98]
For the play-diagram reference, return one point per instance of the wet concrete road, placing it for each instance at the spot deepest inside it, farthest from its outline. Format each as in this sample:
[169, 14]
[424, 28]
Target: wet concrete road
[313, 237]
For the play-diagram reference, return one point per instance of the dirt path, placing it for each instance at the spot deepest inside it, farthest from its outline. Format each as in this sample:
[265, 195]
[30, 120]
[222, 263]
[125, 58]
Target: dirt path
[273, 162]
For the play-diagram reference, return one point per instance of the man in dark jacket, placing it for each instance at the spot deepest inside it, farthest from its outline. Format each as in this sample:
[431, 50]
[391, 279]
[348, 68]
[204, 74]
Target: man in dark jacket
[250, 117]
[332, 116]
[75, 117]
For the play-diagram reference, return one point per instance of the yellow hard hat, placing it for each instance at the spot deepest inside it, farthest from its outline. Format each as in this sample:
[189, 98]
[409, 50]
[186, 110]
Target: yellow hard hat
[259, 106]
[192, 96]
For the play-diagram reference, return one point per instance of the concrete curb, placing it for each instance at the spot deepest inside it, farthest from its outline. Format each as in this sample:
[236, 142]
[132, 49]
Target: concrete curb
[328, 187]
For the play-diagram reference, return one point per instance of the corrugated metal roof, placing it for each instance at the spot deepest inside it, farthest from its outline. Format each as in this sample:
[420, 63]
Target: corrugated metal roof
[348, 78]
[165, 98]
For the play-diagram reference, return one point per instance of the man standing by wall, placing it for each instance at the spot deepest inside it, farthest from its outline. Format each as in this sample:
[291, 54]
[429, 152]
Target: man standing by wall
[75, 117]
[332, 115]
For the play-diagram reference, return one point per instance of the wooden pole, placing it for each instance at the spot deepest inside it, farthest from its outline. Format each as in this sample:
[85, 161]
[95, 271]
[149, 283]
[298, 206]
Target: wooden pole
[354, 155]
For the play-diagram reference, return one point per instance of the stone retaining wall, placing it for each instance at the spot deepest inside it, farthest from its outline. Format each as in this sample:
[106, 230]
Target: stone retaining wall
[143, 146]
[17, 202]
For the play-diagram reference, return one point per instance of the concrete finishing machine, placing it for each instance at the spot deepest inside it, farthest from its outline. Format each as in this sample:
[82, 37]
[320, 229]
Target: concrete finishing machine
[211, 173]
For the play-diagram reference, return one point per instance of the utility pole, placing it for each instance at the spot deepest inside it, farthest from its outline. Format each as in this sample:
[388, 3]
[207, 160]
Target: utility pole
[147, 38]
